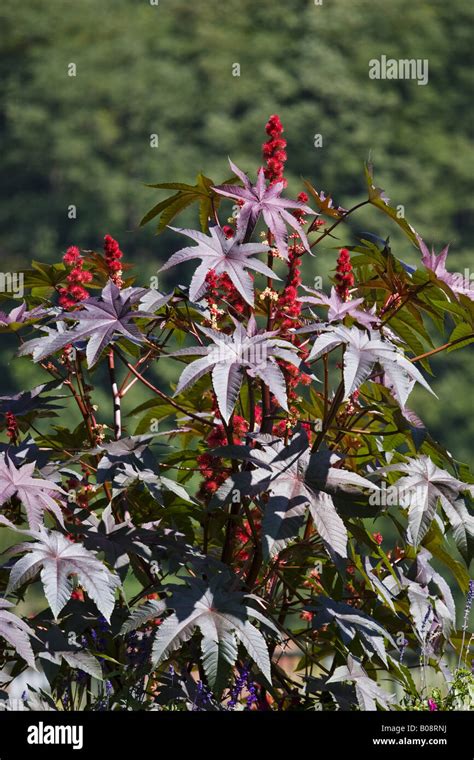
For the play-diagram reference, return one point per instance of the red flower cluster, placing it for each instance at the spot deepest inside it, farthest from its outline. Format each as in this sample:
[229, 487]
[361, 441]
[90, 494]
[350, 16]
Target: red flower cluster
[74, 292]
[344, 274]
[221, 289]
[83, 490]
[113, 254]
[210, 467]
[243, 534]
[288, 307]
[287, 315]
[274, 151]
[12, 427]
[297, 213]
[228, 231]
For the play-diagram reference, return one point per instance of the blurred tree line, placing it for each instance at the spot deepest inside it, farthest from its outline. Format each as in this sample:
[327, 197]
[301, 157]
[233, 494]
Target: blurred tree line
[167, 69]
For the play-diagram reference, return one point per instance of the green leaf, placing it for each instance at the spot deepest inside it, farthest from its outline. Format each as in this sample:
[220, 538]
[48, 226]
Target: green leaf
[201, 193]
[460, 331]
[376, 198]
[434, 541]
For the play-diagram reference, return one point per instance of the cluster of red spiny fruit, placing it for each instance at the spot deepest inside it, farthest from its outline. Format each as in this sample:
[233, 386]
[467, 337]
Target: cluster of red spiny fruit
[71, 295]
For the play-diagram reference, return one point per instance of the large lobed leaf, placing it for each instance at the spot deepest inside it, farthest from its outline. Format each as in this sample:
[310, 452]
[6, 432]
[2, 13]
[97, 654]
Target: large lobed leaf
[36, 495]
[221, 255]
[363, 351]
[229, 356]
[100, 321]
[265, 200]
[223, 618]
[57, 559]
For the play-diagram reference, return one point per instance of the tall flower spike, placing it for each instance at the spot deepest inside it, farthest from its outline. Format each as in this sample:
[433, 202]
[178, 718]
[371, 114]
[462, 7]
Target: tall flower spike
[113, 256]
[74, 292]
[260, 199]
[274, 151]
[344, 275]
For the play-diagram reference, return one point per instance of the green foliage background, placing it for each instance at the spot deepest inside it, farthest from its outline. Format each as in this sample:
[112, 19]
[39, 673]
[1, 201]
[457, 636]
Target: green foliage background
[167, 69]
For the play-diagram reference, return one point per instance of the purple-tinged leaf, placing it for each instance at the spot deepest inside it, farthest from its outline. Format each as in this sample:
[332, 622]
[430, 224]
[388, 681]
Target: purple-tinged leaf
[422, 488]
[36, 494]
[100, 321]
[222, 617]
[260, 199]
[338, 308]
[223, 256]
[362, 353]
[229, 356]
[16, 633]
[57, 559]
[456, 281]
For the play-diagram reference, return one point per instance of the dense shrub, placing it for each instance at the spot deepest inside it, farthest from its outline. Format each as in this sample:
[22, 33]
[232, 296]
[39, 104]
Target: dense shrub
[280, 531]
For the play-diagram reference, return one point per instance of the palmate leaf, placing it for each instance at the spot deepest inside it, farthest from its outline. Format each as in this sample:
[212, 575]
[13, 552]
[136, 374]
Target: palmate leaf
[422, 488]
[267, 201]
[20, 316]
[291, 496]
[362, 353]
[351, 623]
[297, 481]
[222, 616]
[229, 356]
[80, 660]
[433, 613]
[444, 606]
[117, 540]
[223, 256]
[43, 278]
[368, 692]
[99, 321]
[130, 460]
[338, 308]
[27, 402]
[202, 193]
[16, 633]
[121, 542]
[56, 559]
[456, 281]
[36, 494]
